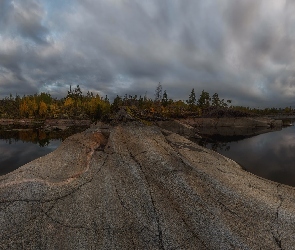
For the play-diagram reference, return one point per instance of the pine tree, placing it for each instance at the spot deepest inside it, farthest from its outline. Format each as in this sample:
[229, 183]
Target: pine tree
[192, 98]
[165, 99]
[204, 100]
[75, 94]
[215, 100]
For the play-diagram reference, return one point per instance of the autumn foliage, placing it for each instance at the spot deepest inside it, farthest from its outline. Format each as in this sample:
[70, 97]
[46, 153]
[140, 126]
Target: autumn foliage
[76, 105]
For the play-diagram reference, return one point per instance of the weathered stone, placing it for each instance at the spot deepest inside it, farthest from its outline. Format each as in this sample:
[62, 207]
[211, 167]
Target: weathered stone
[236, 131]
[247, 122]
[277, 123]
[122, 115]
[138, 188]
[179, 127]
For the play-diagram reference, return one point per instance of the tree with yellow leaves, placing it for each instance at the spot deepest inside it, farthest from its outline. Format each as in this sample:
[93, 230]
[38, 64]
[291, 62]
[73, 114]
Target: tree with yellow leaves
[54, 110]
[24, 109]
[42, 109]
[69, 105]
[33, 106]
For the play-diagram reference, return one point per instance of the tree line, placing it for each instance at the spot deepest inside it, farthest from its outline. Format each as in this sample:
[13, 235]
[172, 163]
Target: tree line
[40, 106]
[76, 105]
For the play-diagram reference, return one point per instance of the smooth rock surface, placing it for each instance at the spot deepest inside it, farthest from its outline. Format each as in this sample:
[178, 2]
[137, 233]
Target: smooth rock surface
[137, 187]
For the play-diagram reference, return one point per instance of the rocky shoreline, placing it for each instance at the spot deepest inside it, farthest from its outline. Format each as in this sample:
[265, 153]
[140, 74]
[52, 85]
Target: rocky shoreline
[243, 126]
[247, 122]
[141, 187]
[238, 122]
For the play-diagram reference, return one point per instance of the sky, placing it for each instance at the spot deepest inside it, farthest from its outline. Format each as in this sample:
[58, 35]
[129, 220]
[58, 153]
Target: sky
[243, 50]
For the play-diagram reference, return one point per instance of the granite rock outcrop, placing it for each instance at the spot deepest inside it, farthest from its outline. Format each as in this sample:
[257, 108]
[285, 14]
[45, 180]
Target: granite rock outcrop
[132, 186]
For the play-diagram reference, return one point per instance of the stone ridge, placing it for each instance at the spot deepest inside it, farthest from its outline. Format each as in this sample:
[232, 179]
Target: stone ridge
[239, 122]
[134, 187]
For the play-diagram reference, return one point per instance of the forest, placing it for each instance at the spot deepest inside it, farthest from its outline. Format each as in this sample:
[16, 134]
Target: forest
[76, 105]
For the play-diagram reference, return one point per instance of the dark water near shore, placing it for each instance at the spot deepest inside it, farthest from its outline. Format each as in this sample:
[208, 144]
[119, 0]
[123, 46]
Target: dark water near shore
[270, 155]
[20, 146]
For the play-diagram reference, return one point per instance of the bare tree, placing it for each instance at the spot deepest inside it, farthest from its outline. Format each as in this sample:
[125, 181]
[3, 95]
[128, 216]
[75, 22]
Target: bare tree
[158, 92]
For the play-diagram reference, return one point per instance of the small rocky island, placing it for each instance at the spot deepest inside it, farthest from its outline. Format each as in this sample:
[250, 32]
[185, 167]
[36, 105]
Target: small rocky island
[133, 186]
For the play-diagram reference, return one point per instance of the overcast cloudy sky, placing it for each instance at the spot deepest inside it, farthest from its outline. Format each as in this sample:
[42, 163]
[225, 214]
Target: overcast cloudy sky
[243, 50]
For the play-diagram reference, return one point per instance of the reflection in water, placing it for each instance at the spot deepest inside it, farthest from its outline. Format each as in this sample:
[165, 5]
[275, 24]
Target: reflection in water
[270, 155]
[26, 135]
[18, 147]
[17, 153]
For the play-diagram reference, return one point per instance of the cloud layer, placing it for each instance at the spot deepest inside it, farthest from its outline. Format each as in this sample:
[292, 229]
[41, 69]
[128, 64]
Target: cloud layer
[243, 50]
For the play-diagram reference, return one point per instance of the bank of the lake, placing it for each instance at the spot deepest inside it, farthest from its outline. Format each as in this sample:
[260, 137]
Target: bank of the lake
[32, 139]
[135, 186]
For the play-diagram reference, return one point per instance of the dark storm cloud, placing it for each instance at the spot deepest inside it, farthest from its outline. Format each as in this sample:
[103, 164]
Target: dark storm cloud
[243, 50]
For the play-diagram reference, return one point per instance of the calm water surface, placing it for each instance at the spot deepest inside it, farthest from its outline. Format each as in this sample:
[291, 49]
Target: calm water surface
[18, 147]
[270, 155]
[17, 153]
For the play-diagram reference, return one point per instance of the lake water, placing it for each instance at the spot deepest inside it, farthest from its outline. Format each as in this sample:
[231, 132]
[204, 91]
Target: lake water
[270, 155]
[18, 147]
[16, 153]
